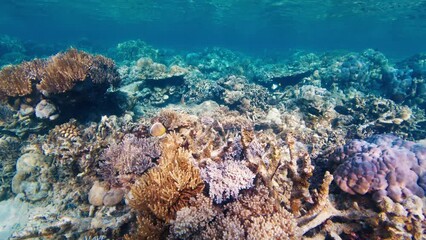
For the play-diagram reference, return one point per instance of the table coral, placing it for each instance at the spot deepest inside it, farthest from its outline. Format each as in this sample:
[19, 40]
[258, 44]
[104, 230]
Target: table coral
[384, 165]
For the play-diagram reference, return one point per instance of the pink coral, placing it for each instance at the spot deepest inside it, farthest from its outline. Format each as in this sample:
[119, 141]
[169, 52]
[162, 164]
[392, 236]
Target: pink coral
[384, 165]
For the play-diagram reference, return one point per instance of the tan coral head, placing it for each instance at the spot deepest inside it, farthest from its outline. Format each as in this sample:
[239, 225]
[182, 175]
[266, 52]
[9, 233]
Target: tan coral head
[157, 129]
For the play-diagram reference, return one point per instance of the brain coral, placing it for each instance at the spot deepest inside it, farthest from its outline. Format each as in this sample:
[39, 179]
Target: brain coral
[384, 165]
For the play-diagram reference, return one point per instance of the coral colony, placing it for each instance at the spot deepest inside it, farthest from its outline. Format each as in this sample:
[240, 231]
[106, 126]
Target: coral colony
[214, 145]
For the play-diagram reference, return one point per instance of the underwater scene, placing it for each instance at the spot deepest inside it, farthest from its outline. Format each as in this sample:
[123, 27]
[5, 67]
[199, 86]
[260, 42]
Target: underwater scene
[212, 119]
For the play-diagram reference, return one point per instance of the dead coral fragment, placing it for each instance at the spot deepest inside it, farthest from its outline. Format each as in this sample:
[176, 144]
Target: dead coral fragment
[165, 189]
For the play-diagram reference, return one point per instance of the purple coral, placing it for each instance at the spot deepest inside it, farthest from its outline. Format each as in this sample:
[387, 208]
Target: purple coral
[384, 165]
[226, 179]
[124, 161]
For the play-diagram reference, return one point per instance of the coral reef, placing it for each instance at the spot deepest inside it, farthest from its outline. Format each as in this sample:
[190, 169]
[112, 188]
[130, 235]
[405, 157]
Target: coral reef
[384, 165]
[214, 145]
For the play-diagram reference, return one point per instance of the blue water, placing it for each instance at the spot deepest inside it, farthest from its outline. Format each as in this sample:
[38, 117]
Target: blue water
[395, 27]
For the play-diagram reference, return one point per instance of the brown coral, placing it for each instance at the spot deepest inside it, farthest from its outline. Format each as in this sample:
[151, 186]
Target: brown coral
[17, 80]
[57, 74]
[65, 142]
[166, 188]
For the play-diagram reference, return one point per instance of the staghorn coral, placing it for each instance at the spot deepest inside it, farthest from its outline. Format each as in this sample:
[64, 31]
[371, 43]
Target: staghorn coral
[384, 165]
[125, 161]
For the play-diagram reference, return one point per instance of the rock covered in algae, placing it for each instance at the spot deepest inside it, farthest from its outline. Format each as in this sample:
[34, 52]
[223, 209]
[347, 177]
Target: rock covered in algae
[28, 179]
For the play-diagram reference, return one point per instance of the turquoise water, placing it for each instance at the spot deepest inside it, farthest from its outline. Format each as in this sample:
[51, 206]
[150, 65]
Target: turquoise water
[395, 27]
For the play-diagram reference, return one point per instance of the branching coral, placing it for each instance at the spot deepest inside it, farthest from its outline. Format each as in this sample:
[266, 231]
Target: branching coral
[226, 179]
[125, 161]
[192, 220]
[168, 187]
[254, 216]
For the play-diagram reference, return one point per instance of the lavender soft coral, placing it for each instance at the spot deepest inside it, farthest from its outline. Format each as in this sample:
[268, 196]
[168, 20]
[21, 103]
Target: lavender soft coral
[125, 161]
[384, 165]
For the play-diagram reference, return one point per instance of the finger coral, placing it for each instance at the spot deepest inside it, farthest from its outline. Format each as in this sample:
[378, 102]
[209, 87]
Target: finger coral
[384, 165]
